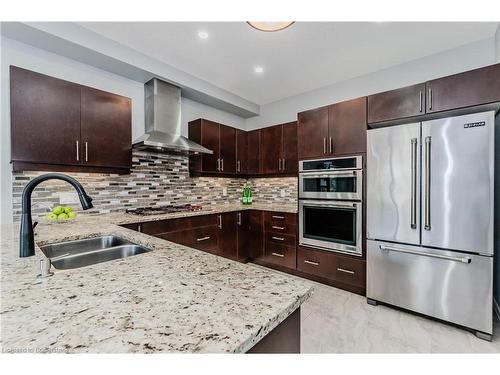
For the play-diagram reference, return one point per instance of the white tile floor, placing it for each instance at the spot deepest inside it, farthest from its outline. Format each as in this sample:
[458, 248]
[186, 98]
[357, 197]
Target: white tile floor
[336, 321]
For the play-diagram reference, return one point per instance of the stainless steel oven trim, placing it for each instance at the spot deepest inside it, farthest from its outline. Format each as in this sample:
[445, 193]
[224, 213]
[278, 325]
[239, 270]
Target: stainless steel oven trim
[332, 195]
[358, 158]
[326, 245]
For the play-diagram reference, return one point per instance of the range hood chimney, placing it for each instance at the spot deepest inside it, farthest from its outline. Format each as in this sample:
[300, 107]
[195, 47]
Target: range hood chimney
[163, 121]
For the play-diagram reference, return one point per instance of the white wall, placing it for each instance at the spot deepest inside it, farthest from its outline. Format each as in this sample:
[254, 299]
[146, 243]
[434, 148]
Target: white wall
[460, 59]
[497, 44]
[25, 56]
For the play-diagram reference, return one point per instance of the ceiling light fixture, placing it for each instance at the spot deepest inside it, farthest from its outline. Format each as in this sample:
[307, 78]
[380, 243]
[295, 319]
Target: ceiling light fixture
[270, 26]
[258, 69]
[203, 35]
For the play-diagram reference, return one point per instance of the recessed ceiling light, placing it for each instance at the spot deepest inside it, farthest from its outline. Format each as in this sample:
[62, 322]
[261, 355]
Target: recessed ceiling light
[203, 35]
[258, 69]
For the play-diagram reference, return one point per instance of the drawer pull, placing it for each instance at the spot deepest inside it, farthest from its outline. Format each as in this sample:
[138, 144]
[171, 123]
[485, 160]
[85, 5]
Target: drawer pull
[202, 239]
[278, 255]
[345, 271]
[311, 262]
[280, 228]
[278, 238]
[278, 217]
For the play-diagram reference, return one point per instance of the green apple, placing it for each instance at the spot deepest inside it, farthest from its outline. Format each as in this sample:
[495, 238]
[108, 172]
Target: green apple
[52, 216]
[67, 210]
[72, 215]
[62, 216]
[58, 210]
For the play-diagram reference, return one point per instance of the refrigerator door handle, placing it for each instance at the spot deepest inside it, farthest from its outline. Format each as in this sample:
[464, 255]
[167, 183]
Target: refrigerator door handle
[427, 185]
[413, 203]
[465, 260]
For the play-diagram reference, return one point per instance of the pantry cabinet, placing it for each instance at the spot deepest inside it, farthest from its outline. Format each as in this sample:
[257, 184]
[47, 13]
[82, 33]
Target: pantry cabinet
[58, 125]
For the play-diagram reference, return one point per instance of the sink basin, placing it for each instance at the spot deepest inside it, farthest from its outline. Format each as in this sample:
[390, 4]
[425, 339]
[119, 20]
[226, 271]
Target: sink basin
[81, 253]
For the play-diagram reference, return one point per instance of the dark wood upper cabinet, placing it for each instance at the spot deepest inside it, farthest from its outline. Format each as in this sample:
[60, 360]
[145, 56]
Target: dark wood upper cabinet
[290, 164]
[254, 165]
[45, 119]
[227, 149]
[405, 102]
[241, 151]
[475, 87]
[62, 126]
[271, 149]
[347, 127]
[312, 133]
[105, 129]
[206, 133]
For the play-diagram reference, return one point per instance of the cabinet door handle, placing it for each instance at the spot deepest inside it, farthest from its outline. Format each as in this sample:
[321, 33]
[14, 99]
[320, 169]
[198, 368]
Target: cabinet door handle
[430, 98]
[324, 145]
[220, 221]
[331, 145]
[277, 255]
[86, 151]
[284, 167]
[218, 165]
[279, 164]
[222, 164]
[77, 151]
[139, 228]
[345, 271]
[278, 238]
[239, 218]
[420, 97]
[279, 228]
[277, 217]
[311, 262]
[202, 239]
[238, 166]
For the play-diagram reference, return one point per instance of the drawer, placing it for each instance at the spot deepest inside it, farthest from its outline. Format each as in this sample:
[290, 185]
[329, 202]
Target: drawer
[315, 262]
[279, 254]
[350, 271]
[283, 228]
[332, 266]
[280, 238]
[280, 219]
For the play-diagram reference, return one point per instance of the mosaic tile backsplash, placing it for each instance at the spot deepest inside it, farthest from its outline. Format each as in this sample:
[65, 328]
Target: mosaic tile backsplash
[155, 179]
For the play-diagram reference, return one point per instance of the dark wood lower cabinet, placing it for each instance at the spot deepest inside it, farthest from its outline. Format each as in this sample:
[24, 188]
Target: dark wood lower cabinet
[267, 238]
[343, 271]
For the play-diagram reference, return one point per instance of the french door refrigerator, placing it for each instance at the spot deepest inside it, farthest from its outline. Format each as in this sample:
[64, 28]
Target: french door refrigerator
[430, 225]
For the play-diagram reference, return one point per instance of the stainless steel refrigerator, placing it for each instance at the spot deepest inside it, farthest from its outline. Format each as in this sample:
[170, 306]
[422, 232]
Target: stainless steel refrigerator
[430, 227]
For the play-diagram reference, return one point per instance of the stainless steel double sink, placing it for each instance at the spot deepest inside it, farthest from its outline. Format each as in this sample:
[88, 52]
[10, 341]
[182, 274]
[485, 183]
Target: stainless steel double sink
[81, 253]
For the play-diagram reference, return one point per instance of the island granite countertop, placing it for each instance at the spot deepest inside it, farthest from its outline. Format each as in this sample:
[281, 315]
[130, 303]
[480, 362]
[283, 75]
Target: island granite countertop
[172, 299]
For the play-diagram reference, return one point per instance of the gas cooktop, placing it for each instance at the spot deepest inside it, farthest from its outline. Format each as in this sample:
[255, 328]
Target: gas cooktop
[159, 210]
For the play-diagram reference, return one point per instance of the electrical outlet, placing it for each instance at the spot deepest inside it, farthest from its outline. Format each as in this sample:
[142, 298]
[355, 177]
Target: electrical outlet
[224, 191]
[68, 198]
[282, 193]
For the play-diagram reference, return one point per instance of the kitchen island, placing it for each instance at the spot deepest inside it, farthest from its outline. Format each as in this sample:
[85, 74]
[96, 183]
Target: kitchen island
[171, 299]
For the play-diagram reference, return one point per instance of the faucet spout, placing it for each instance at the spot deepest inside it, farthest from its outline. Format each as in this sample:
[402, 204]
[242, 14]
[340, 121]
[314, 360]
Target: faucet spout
[26, 237]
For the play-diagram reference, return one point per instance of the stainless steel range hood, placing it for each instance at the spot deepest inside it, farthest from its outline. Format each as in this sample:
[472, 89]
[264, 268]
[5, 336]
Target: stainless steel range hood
[163, 121]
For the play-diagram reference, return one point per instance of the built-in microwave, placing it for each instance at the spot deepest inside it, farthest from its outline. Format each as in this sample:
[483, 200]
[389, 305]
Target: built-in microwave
[331, 225]
[336, 178]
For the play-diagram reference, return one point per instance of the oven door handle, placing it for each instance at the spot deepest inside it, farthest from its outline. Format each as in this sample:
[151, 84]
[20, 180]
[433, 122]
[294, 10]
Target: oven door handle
[352, 173]
[329, 204]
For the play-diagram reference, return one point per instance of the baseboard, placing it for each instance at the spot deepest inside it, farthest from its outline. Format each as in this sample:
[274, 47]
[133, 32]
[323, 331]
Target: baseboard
[496, 308]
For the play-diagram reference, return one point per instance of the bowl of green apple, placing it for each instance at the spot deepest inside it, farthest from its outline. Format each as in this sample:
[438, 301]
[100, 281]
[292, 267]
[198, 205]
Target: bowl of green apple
[61, 214]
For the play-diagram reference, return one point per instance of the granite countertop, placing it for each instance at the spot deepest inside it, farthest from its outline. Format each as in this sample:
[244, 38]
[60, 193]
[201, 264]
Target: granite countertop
[172, 299]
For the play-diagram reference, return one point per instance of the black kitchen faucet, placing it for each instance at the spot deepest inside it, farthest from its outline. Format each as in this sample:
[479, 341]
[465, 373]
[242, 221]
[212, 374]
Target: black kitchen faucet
[26, 237]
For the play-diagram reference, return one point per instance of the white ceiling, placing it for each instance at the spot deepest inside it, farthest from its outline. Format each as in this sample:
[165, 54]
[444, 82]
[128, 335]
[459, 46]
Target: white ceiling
[306, 56]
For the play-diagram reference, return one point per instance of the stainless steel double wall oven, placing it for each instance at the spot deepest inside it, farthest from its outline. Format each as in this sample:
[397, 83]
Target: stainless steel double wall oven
[330, 204]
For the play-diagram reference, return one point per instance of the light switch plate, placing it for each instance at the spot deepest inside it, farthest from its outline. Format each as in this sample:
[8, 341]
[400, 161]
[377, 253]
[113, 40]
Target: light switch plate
[224, 191]
[68, 198]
